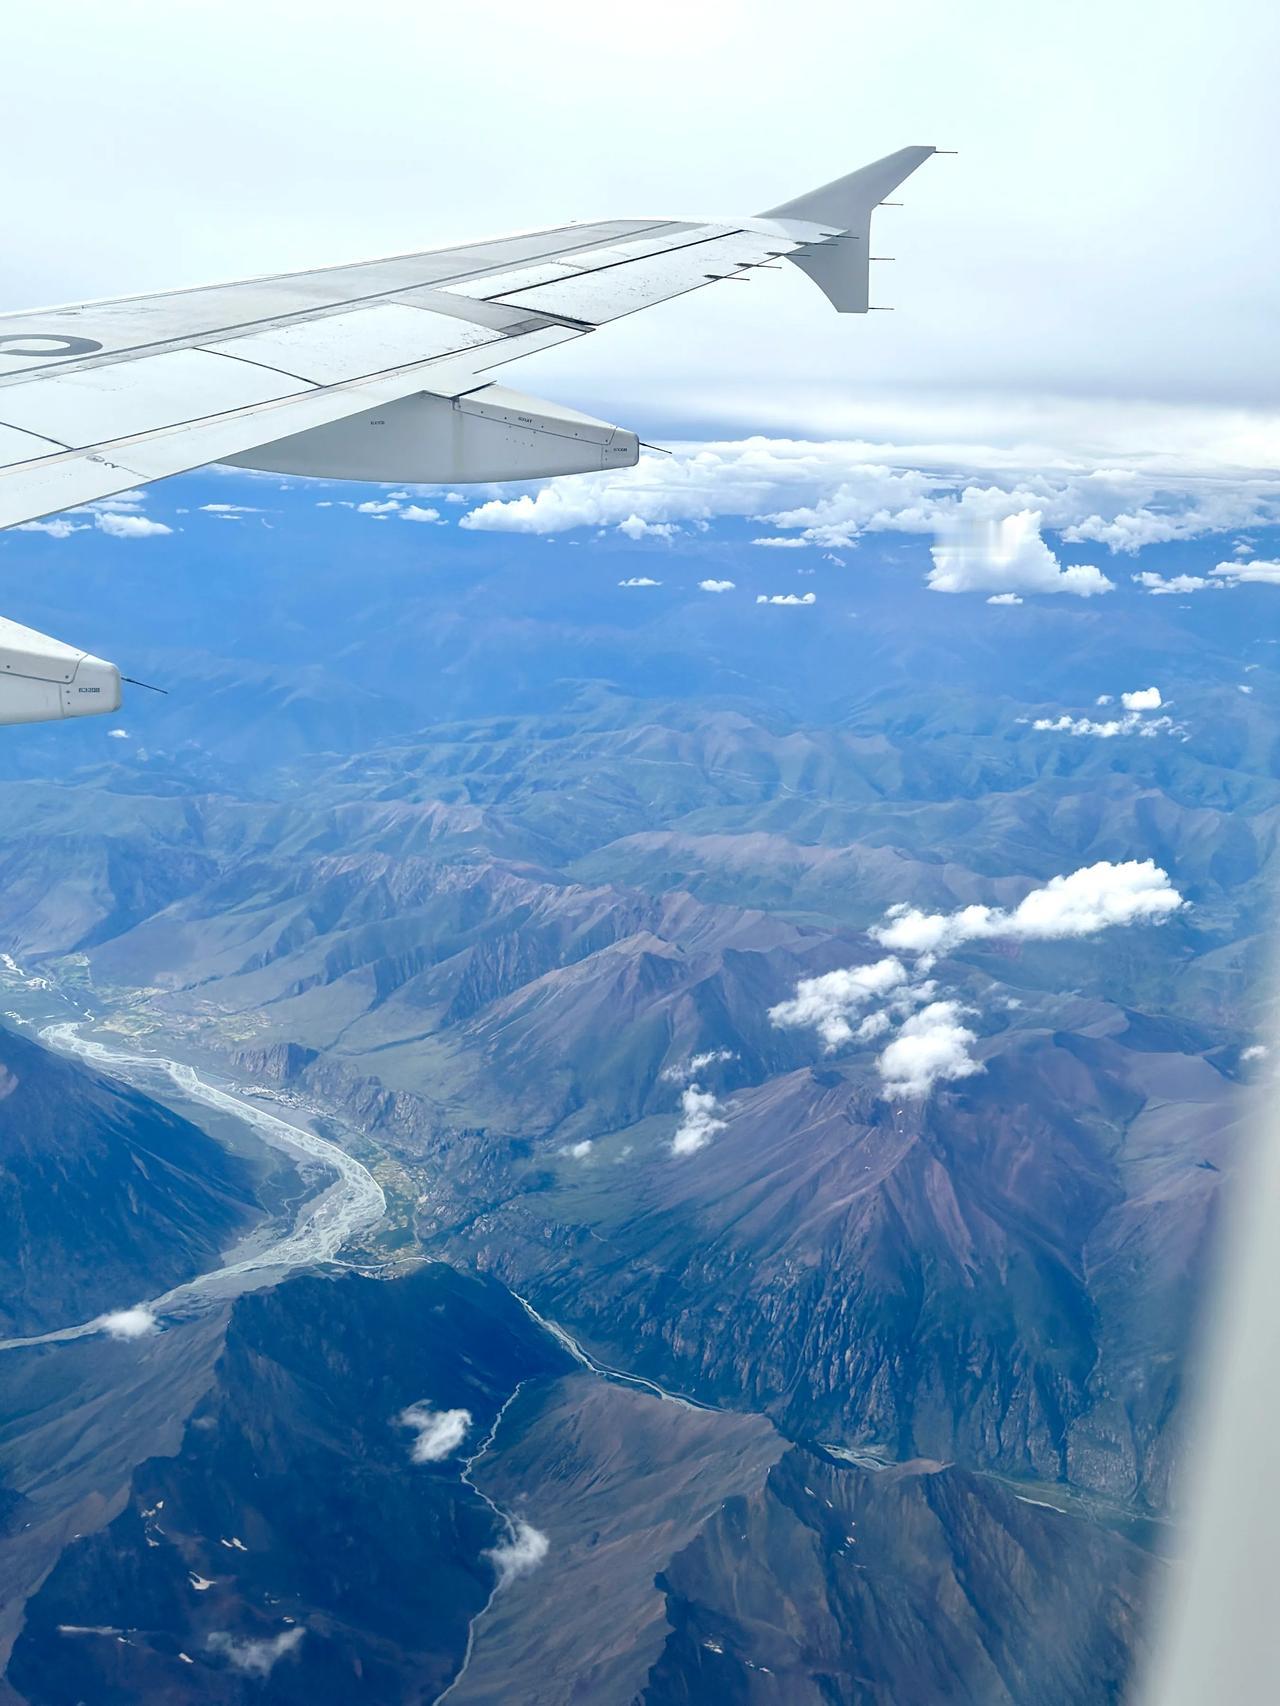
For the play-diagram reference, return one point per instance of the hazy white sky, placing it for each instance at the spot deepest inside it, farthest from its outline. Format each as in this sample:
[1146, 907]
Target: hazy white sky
[1107, 231]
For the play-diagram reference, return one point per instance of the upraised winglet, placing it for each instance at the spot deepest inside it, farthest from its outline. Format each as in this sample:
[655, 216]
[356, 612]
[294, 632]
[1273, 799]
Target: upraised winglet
[841, 268]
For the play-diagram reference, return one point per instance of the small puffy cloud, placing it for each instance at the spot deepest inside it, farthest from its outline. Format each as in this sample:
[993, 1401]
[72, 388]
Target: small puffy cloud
[787, 598]
[1219, 579]
[978, 554]
[1134, 721]
[699, 1121]
[1089, 900]
[1133, 530]
[1242, 688]
[1162, 586]
[231, 510]
[440, 1432]
[378, 506]
[1142, 699]
[776, 542]
[59, 528]
[1257, 573]
[716, 586]
[522, 1551]
[697, 1063]
[415, 512]
[639, 580]
[125, 525]
[1005, 598]
[118, 734]
[636, 527]
[1255, 1051]
[135, 1323]
[255, 1657]
[829, 1003]
[1081, 726]
[578, 1151]
[932, 1047]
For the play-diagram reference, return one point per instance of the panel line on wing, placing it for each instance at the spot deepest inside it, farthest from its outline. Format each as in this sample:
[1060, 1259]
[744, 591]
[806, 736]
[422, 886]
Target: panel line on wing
[266, 366]
[26, 432]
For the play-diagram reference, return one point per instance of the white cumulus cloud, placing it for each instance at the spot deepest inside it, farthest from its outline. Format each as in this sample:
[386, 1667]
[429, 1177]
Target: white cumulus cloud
[689, 1069]
[1142, 699]
[787, 598]
[636, 527]
[440, 1432]
[59, 528]
[1258, 573]
[716, 586]
[639, 580]
[977, 554]
[699, 1121]
[123, 525]
[1132, 723]
[135, 1323]
[1165, 586]
[522, 1551]
[1089, 900]
[829, 1003]
[1005, 598]
[932, 1047]
[416, 512]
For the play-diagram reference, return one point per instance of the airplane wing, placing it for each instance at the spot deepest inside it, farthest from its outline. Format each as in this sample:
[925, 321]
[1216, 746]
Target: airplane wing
[379, 370]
